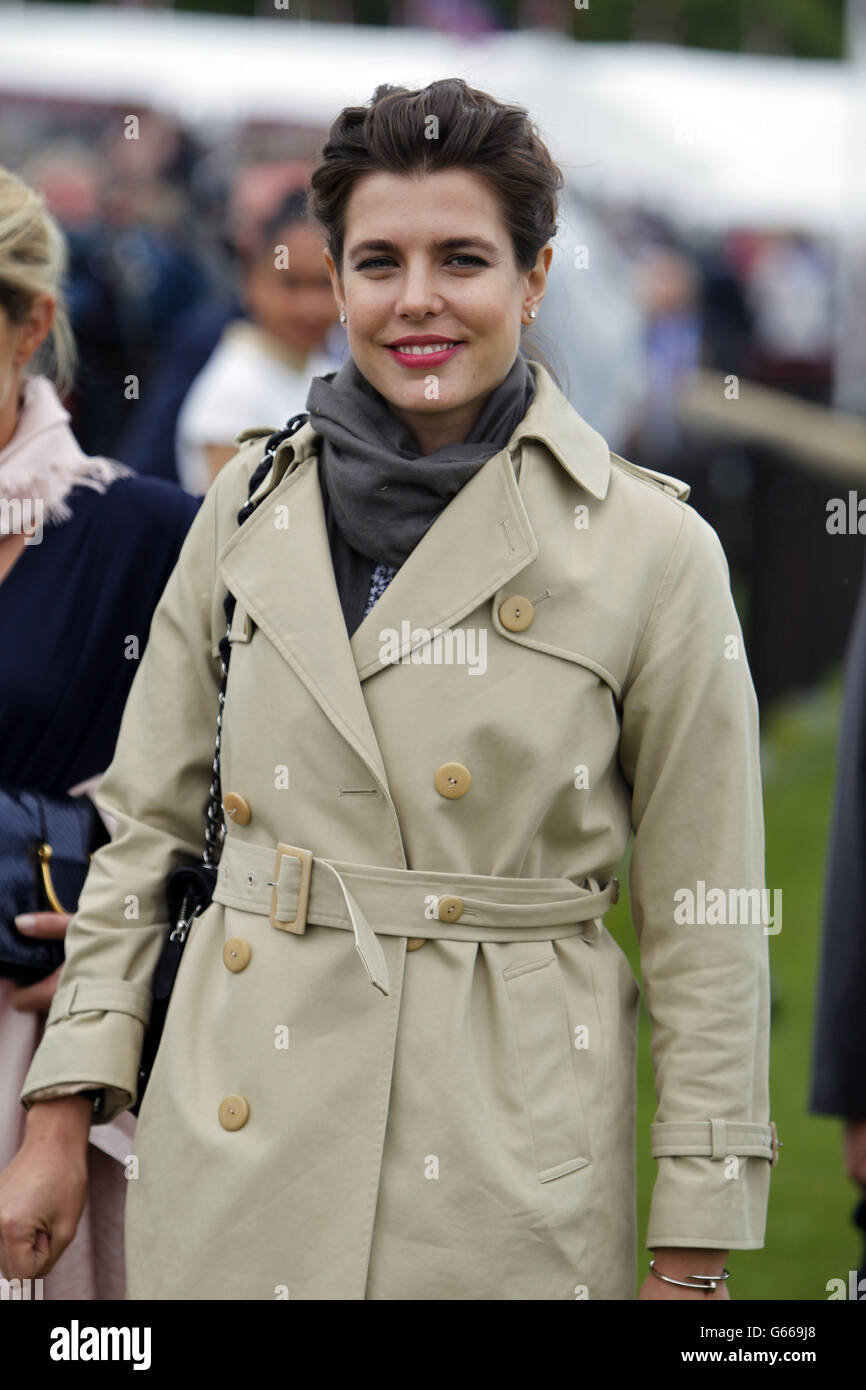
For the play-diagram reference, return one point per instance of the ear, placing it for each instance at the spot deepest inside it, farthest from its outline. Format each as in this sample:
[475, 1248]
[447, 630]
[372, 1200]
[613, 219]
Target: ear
[336, 278]
[536, 280]
[35, 328]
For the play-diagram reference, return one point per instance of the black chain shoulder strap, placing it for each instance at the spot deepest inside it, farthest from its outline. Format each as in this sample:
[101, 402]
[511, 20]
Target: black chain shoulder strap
[214, 832]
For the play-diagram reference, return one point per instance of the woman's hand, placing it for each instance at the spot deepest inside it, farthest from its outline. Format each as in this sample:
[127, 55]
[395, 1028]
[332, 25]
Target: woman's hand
[49, 926]
[678, 1263]
[44, 1188]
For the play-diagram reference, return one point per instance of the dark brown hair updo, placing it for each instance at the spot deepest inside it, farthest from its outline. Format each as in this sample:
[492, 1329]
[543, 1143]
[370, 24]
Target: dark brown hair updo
[471, 130]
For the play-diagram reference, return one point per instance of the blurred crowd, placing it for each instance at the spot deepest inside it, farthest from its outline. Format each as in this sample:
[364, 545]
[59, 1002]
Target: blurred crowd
[190, 327]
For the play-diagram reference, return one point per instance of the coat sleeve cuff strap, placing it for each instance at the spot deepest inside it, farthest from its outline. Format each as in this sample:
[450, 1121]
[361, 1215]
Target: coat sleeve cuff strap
[713, 1139]
[100, 996]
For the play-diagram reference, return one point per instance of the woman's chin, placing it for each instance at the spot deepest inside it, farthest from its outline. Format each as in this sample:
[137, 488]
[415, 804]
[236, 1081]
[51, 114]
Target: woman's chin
[416, 400]
[416, 391]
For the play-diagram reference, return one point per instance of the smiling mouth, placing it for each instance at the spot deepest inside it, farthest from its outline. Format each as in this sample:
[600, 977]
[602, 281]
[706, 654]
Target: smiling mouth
[422, 349]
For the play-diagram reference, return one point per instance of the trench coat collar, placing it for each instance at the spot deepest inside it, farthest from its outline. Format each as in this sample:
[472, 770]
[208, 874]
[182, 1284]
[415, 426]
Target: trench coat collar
[581, 450]
[284, 576]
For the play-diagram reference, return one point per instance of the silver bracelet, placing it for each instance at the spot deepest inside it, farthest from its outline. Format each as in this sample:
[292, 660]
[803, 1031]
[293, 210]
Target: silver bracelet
[708, 1287]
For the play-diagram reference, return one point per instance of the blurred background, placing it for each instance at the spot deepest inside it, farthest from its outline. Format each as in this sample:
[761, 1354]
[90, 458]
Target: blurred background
[704, 312]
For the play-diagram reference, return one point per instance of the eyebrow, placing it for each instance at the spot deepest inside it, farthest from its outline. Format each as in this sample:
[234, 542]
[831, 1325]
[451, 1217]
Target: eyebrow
[451, 243]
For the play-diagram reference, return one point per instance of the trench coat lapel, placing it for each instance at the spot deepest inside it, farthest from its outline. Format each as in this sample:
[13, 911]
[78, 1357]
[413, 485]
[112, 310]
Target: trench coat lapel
[482, 538]
[285, 580]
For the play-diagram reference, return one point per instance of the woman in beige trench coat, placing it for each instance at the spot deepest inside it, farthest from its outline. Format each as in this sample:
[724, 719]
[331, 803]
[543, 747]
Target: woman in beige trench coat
[399, 1061]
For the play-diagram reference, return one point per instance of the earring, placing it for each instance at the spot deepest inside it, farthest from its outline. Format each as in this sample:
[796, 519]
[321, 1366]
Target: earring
[532, 313]
[342, 316]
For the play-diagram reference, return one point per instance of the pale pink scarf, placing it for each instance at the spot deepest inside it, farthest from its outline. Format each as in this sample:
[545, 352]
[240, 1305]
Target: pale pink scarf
[43, 461]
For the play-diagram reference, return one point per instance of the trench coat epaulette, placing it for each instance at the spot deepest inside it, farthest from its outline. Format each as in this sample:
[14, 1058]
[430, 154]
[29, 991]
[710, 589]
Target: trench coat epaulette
[255, 432]
[257, 436]
[674, 487]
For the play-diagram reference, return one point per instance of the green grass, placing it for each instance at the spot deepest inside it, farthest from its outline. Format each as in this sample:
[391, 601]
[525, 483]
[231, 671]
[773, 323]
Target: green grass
[810, 1238]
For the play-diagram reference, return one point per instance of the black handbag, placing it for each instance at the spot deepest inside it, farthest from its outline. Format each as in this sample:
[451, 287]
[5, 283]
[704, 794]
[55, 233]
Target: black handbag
[46, 844]
[189, 888]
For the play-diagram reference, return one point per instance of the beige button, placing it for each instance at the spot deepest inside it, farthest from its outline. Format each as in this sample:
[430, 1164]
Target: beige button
[237, 808]
[236, 954]
[516, 613]
[450, 909]
[234, 1112]
[452, 779]
[415, 942]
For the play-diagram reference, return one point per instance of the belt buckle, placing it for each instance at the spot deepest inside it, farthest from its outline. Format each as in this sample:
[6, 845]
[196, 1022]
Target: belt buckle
[299, 924]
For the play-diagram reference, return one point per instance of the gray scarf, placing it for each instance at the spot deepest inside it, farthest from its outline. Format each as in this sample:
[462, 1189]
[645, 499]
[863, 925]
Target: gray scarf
[383, 494]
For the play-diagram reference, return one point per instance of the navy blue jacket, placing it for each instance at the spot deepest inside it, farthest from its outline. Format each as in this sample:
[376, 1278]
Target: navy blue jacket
[68, 608]
[839, 1063]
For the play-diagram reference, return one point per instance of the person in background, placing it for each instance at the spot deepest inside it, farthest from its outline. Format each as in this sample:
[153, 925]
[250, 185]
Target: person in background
[134, 270]
[75, 611]
[254, 190]
[261, 370]
[148, 442]
[839, 1049]
[669, 289]
[789, 288]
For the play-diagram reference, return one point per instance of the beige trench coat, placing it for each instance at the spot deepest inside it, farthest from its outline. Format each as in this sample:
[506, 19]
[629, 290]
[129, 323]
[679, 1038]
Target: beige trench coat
[399, 1061]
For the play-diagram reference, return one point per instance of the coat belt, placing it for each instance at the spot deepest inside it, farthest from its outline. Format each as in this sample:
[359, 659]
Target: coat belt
[294, 887]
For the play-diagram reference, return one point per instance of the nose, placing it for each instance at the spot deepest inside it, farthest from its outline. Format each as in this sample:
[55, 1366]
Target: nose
[417, 295]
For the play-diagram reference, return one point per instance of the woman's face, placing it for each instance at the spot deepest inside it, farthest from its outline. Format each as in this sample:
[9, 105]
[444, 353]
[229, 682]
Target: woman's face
[18, 343]
[287, 291]
[440, 267]
[8, 345]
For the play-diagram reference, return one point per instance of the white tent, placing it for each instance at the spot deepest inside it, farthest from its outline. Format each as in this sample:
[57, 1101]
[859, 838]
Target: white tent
[712, 139]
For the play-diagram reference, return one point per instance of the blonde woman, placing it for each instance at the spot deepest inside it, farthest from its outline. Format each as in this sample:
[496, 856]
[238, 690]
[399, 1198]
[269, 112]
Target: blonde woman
[76, 597]
[469, 650]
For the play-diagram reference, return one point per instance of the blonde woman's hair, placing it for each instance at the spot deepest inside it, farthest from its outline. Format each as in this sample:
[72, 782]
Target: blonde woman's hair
[33, 260]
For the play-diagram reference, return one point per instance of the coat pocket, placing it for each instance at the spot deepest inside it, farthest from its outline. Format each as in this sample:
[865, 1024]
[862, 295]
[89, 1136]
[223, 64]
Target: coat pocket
[560, 1135]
